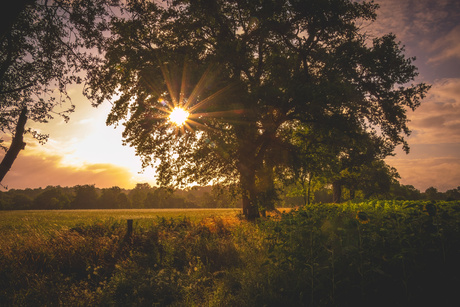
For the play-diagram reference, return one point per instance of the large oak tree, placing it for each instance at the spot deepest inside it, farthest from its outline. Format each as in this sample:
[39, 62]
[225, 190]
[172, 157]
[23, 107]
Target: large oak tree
[247, 70]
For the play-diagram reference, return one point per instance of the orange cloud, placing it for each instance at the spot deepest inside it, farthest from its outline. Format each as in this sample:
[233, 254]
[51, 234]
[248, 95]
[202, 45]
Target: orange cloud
[31, 171]
[437, 120]
[446, 47]
[410, 19]
[429, 29]
[441, 173]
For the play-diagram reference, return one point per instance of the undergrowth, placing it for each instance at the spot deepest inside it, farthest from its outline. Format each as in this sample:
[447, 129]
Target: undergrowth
[372, 253]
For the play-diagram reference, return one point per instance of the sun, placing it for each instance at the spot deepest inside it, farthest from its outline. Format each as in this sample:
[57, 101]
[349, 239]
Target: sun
[178, 116]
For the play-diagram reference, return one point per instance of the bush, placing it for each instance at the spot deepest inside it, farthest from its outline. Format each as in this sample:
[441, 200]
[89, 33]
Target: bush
[374, 253]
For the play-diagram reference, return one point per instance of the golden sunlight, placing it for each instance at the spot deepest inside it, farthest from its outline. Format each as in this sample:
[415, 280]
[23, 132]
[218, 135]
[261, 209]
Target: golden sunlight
[178, 116]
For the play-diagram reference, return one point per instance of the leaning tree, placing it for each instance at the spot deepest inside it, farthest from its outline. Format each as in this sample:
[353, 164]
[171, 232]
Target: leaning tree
[44, 46]
[244, 71]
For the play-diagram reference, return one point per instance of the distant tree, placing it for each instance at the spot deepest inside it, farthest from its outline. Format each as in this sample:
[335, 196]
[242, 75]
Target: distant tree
[246, 70]
[52, 198]
[43, 48]
[33, 193]
[404, 192]
[151, 200]
[113, 198]
[86, 197]
[225, 198]
[206, 200]
[159, 198]
[432, 194]
[138, 195]
[453, 194]
[123, 201]
[20, 201]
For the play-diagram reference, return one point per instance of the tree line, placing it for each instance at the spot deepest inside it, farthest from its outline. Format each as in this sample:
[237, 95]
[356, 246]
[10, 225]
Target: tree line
[144, 196]
[91, 197]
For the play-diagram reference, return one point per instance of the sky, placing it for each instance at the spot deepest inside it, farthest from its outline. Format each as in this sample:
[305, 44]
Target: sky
[86, 151]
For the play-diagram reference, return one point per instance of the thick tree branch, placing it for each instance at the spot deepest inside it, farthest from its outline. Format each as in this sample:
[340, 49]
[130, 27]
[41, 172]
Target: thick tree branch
[16, 145]
[17, 89]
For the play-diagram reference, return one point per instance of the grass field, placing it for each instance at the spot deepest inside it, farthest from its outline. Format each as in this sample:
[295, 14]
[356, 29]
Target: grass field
[376, 253]
[23, 222]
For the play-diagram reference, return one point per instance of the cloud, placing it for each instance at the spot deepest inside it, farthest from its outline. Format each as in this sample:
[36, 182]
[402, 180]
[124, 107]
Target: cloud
[391, 17]
[428, 29]
[446, 47]
[32, 171]
[439, 172]
[414, 19]
[437, 120]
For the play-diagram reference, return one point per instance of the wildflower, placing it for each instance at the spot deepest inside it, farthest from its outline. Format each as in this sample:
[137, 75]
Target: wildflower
[362, 217]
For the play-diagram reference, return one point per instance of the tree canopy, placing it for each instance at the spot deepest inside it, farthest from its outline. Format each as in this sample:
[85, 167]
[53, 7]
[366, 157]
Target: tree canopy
[248, 72]
[44, 46]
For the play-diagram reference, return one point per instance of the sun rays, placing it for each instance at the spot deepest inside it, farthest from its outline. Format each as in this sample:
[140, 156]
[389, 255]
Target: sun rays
[178, 116]
[182, 108]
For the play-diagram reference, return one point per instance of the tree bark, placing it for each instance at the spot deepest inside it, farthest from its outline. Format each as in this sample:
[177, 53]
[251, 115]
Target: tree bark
[16, 145]
[248, 182]
[265, 189]
[337, 192]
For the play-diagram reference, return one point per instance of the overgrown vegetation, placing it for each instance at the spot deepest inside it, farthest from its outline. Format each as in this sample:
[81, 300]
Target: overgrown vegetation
[389, 253]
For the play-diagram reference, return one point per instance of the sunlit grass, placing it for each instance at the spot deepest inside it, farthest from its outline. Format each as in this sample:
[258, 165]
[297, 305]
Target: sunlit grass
[13, 223]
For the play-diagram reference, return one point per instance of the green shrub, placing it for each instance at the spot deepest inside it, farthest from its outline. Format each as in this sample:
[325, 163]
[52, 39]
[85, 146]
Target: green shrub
[375, 253]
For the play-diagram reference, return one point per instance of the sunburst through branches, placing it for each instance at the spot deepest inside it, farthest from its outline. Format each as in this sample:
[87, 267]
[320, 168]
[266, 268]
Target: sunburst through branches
[181, 111]
[178, 116]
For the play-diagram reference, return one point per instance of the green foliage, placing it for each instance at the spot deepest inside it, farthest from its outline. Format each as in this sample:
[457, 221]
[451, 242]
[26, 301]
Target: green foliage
[376, 253]
[359, 253]
[113, 198]
[85, 197]
[52, 198]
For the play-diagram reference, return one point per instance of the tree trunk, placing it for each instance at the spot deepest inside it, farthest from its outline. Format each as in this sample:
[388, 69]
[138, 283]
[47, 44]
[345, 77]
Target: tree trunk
[248, 183]
[265, 188]
[337, 192]
[16, 145]
[250, 208]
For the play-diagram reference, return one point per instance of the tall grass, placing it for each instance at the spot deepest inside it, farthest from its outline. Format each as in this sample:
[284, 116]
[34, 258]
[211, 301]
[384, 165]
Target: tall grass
[372, 253]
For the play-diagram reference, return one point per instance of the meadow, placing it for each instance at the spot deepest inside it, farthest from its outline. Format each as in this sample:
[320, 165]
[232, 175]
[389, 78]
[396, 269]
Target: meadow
[43, 222]
[377, 253]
